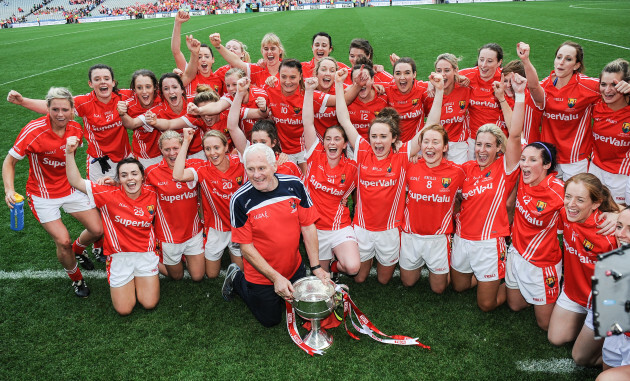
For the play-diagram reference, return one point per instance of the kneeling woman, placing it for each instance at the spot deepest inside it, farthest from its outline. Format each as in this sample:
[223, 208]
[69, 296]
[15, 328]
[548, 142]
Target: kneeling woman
[127, 212]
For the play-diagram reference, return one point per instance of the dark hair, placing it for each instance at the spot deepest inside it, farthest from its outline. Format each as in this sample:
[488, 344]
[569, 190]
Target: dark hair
[617, 66]
[359, 43]
[391, 118]
[294, 64]
[323, 34]
[269, 127]
[366, 63]
[548, 153]
[494, 47]
[129, 160]
[579, 54]
[111, 71]
[144, 73]
[407, 60]
[209, 48]
[515, 66]
[174, 76]
[597, 191]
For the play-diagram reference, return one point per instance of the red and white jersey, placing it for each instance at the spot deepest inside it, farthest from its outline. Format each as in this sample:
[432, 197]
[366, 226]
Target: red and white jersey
[212, 80]
[582, 244]
[431, 197]
[330, 187]
[47, 157]
[566, 121]
[362, 114]
[135, 108]
[246, 123]
[483, 213]
[259, 74]
[611, 139]
[220, 73]
[103, 128]
[144, 141]
[381, 190]
[286, 112]
[410, 107]
[483, 106]
[327, 117]
[380, 77]
[454, 112]
[537, 221]
[289, 168]
[128, 223]
[177, 218]
[272, 222]
[217, 188]
[532, 118]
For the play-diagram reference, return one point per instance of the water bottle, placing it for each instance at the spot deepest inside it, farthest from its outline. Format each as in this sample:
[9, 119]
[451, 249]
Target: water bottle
[17, 213]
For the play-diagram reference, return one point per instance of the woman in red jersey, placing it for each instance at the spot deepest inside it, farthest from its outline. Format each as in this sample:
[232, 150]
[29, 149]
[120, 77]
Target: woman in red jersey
[368, 103]
[177, 226]
[330, 179]
[454, 107]
[127, 212]
[47, 187]
[222, 175]
[322, 47]
[534, 260]
[381, 181]
[362, 48]
[484, 107]
[616, 349]
[585, 199]
[479, 243]
[199, 69]
[433, 183]
[263, 131]
[611, 130]
[567, 97]
[407, 95]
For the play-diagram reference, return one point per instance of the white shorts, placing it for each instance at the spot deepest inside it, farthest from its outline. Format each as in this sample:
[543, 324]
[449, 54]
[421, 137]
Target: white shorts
[566, 171]
[329, 239]
[616, 350]
[146, 163]
[615, 182]
[471, 149]
[417, 249]
[95, 171]
[48, 209]
[297, 158]
[123, 267]
[385, 245]
[172, 252]
[486, 258]
[458, 152]
[538, 285]
[197, 155]
[569, 305]
[217, 241]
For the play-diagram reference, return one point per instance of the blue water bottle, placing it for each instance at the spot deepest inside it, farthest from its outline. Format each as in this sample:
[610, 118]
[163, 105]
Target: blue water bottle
[17, 213]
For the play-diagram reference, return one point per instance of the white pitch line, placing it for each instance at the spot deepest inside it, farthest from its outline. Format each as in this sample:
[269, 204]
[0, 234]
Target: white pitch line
[123, 50]
[562, 366]
[523, 26]
[61, 34]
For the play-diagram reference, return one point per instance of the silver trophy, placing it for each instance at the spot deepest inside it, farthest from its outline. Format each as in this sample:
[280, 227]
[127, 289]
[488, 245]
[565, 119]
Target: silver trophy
[314, 301]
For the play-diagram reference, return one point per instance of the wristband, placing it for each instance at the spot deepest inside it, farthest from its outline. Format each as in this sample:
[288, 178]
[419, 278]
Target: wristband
[519, 97]
[313, 268]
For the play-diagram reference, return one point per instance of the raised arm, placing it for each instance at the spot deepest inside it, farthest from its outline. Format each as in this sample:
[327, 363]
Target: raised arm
[190, 73]
[308, 114]
[180, 61]
[37, 105]
[163, 124]
[343, 116]
[434, 114]
[538, 94]
[127, 121]
[72, 171]
[513, 144]
[237, 135]
[499, 93]
[231, 58]
[212, 108]
[180, 172]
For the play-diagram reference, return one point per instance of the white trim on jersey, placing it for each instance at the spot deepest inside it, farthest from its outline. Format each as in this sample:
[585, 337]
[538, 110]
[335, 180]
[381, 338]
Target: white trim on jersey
[585, 123]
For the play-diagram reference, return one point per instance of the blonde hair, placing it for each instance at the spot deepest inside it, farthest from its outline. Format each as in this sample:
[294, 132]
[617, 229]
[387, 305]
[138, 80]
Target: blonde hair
[498, 134]
[246, 57]
[205, 93]
[59, 93]
[216, 134]
[168, 135]
[272, 39]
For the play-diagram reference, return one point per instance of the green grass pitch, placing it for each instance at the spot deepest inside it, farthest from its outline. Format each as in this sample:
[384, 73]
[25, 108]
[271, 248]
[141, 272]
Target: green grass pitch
[47, 333]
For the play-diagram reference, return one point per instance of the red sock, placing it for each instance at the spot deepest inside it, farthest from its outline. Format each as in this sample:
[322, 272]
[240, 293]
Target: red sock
[98, 244]
[75, 274]
[334, 267]
[78, 247]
